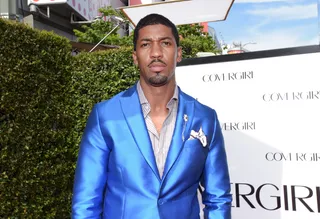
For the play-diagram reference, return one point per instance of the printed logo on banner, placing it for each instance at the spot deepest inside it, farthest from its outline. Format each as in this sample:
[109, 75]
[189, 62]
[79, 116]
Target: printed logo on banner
[309, 95]
[270, 197]
[233, 76]
[238, 126]
[274, 175]
[302, 157]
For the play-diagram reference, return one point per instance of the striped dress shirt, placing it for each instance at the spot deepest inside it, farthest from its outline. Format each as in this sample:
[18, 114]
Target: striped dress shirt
[160, 141]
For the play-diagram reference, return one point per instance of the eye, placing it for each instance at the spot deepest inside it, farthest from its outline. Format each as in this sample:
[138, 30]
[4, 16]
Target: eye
[166, 43]
[144, 45]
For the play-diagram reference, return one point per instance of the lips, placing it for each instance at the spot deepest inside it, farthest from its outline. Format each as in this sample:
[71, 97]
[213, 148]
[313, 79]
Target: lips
[157, 67]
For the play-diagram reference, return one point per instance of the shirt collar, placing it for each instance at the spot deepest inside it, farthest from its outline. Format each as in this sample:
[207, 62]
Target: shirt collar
[145, 104]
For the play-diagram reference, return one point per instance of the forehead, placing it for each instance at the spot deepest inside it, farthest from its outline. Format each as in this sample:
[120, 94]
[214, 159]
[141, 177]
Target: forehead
[155, 31]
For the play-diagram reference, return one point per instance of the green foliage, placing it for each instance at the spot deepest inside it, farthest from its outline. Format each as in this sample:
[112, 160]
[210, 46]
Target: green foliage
[46, 96]
[194, 44]
[35, 149]
[97, 30]
[194, 40]
[99, 76]
[190, 30]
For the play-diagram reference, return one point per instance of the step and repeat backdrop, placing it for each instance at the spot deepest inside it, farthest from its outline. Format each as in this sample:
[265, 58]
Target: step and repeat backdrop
[269, 111]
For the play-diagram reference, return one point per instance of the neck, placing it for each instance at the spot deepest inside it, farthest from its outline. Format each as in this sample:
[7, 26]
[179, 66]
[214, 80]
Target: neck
[158, 97]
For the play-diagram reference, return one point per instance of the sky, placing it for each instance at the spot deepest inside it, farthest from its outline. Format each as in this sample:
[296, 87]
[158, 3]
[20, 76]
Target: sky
[270, 24]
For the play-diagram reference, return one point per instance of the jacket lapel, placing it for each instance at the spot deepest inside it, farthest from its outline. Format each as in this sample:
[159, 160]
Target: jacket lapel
[182, 129]
[132, 111]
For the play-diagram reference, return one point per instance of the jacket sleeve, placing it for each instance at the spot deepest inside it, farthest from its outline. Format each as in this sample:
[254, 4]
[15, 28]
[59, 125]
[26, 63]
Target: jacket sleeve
[91, 171]
[215, 179]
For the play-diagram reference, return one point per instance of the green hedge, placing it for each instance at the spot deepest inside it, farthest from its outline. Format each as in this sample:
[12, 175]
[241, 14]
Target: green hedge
[36, 153]
[45, 97]
[98, 76]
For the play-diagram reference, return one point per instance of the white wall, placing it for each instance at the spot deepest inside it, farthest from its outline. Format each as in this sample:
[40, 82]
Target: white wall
[269, 112]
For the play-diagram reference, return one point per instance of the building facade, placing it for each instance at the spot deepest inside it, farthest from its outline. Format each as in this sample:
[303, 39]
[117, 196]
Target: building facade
[59, 16]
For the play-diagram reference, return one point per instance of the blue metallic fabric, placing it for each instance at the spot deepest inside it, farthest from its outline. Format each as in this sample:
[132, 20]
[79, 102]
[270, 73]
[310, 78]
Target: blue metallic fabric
[117, 176]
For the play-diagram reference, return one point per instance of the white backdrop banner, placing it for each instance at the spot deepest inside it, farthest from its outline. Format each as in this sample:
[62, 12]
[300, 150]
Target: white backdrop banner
[269, 110]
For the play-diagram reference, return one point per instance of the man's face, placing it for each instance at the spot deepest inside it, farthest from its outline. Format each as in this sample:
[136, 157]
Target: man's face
[156, 54]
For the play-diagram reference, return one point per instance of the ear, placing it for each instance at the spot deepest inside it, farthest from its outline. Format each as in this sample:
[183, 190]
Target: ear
[134, 57]
[179, 54]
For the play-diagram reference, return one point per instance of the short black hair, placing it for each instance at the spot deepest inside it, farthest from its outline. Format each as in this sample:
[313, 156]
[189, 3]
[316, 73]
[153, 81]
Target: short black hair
[153, 19]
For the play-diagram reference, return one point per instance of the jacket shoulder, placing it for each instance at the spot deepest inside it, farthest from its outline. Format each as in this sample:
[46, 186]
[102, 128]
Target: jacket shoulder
[199, 107]
[115, 100]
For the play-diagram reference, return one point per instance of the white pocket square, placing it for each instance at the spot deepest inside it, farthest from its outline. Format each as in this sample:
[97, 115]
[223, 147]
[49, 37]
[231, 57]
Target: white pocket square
[199, 135]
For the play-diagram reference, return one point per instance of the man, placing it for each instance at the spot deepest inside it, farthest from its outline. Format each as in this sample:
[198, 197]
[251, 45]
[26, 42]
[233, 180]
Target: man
[145, 151]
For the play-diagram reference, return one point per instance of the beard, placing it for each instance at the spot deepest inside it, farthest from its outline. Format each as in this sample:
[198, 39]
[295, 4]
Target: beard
[158, 80]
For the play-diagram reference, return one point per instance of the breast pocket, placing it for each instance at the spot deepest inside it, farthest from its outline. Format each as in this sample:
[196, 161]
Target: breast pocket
[194, 146]
[192, 158]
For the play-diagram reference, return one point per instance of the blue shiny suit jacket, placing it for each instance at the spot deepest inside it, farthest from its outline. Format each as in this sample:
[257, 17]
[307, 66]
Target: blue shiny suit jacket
[117, 176]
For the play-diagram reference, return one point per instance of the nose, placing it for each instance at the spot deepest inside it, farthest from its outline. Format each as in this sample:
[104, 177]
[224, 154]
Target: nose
[156, 50]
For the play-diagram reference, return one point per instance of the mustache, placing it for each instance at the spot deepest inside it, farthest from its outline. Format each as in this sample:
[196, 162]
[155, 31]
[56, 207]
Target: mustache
[156, 60]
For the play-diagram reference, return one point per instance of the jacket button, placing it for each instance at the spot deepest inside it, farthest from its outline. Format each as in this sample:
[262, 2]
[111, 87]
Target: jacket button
[161, 201]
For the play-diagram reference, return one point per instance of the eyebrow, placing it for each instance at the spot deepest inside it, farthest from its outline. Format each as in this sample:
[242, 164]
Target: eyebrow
[161, 38]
